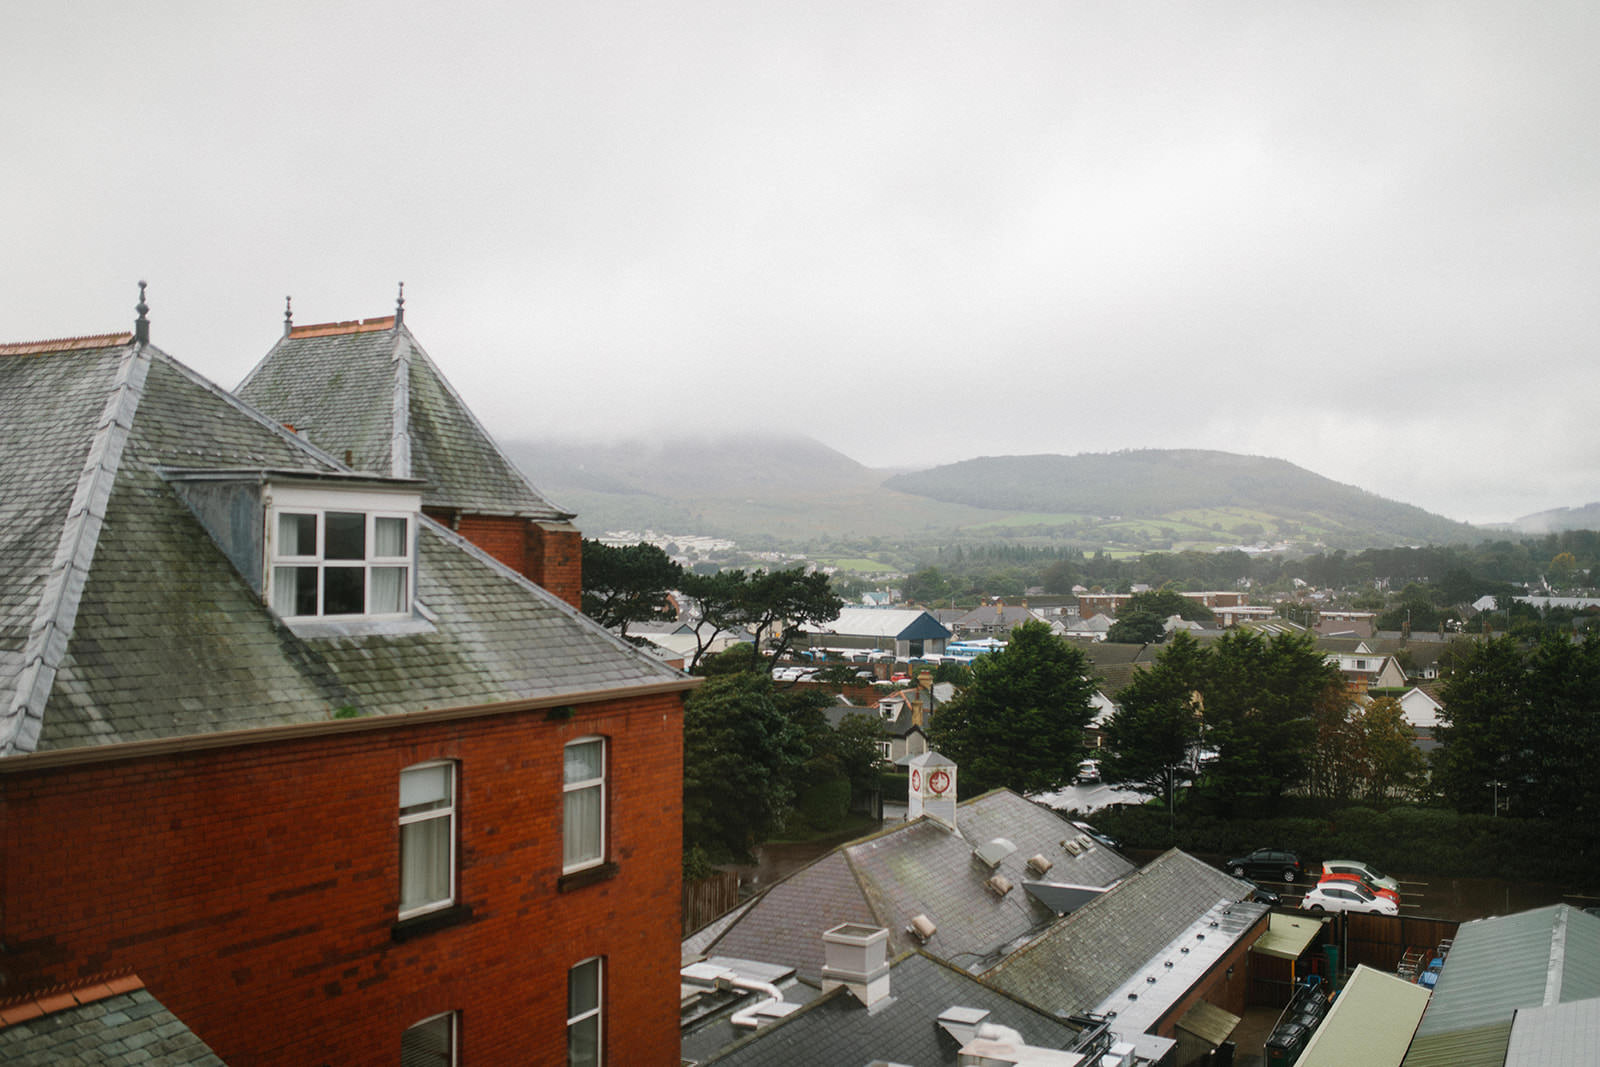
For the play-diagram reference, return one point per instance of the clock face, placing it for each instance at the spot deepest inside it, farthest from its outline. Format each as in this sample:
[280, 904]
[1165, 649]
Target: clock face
[916, 780]
[939, 781]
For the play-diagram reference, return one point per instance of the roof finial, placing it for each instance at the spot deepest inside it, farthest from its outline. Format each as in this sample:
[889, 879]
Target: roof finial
[141, 325]
[288, 315]
[400, 306]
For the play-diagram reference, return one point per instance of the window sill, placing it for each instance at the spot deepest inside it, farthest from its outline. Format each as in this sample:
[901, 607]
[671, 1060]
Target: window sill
[588, 876]
[418, 925]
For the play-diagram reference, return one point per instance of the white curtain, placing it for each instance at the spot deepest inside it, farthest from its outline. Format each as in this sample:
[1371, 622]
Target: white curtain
[388, 590]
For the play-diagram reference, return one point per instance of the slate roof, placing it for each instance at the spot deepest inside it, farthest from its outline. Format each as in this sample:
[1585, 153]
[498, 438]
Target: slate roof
[121, 619]
[1088, 954]
[837, 1029]
[116, 1029]
[370, 389]
[1536, 958]
[922, 868]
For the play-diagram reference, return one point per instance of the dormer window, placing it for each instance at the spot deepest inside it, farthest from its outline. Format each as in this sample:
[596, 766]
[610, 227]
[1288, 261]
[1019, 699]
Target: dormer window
[340, 555]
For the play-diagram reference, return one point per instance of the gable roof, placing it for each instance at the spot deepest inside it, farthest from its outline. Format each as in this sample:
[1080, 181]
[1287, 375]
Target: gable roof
[121, 619]
[1084, 958]
[1536, 958]
[836, 1029]
[922, 868]
[900, 623]
[367, 388]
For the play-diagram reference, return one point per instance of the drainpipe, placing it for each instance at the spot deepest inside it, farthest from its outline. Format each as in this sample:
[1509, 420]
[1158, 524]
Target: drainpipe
[746, 1017]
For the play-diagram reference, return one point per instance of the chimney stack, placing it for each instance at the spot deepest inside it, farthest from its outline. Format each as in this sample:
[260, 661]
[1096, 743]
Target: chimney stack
[857, 957]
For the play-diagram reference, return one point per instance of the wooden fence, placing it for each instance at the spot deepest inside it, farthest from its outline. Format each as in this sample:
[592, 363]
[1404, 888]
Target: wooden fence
[708, 899]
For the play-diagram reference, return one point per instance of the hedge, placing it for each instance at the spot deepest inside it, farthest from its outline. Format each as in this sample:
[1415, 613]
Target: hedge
[1415, 840]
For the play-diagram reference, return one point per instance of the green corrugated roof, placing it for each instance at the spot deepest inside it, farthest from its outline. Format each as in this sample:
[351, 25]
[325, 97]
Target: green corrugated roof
[1541, 957]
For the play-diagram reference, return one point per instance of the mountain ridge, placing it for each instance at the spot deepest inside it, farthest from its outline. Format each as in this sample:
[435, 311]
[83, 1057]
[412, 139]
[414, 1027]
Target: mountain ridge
[791, 489]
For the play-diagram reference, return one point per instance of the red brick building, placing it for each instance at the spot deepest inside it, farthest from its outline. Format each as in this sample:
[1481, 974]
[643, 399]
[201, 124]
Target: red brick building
[337, 784]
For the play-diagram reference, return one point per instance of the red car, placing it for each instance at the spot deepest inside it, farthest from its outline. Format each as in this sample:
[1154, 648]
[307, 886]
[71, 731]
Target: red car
[1375, 890]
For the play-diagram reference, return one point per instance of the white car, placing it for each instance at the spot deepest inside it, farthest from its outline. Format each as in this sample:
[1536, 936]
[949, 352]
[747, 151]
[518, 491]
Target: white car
[1366, 871]
[1347, 896]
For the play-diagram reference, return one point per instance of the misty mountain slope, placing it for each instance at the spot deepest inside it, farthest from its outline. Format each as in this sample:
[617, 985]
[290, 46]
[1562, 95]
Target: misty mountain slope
[683, 467]
[785, 491]
[1556, 520]
[1152, 483]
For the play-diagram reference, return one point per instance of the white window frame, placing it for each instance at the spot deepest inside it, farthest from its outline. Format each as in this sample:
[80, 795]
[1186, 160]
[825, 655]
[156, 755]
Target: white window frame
[597, 784]
[452, 1038]
[319, 502]
[885, 750]
[448, 812]
[597, 1013]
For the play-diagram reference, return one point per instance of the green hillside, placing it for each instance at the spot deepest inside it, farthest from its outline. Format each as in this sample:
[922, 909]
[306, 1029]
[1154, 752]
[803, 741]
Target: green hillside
[1186, 488]
[793, 492]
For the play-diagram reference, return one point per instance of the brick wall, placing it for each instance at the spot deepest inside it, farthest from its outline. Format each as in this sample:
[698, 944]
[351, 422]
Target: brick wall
[558, 550]
[254, 889]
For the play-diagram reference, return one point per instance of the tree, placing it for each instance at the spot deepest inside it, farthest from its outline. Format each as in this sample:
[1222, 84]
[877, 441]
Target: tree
[1262, 699]
[1158, 718]
[1523, 724]
[1394, 765]
[1020, 723]
[927, 586]
[627, 584]
[1137, 627]
[740, 755]
[772, 605]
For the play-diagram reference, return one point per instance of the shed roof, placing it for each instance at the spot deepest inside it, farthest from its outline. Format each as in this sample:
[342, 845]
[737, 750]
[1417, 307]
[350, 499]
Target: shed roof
[1371, 1022]
[1561, 1035]
[898, 623]
[1536, 958]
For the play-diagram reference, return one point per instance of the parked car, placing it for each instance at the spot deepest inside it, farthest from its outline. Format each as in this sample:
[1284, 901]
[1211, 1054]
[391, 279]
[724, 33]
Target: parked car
[1347, 896]
[1356, 879]
[1105, 839]
[1089, 771]
[1367, 872]
[1270, 864]
[1263, 896]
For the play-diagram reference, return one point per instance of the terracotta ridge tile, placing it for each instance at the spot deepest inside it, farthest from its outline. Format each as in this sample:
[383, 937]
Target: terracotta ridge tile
[329, 329]
[66, 344]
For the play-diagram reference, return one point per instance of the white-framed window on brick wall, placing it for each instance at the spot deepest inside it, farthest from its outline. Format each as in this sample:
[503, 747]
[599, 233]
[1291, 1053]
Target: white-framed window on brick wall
[583, 785]
[431, 1043]
[427, 837]
[584, 1016]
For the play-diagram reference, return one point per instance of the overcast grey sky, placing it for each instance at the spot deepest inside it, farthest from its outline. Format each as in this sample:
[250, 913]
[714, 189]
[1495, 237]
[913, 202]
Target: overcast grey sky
[1362, 237]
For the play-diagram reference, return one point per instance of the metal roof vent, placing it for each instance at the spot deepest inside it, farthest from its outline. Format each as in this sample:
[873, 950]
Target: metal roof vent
[856, 956]
[1073, 847]
[993, 851]
[999, 885]
[922, 928]
[1085, 841]
[1039, 865]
